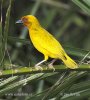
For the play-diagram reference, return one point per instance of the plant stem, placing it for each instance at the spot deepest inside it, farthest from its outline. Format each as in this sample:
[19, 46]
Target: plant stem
[31, 70]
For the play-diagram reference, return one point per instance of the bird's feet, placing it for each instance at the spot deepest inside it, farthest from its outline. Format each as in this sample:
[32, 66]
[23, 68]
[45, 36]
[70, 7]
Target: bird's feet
[51, 67]
[38, 68]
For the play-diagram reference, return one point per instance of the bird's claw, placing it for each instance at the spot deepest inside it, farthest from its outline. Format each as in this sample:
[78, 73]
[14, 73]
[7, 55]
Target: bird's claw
[51, 67]
[39, 68]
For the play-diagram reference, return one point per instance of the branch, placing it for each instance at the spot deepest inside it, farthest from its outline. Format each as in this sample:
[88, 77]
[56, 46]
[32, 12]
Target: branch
[31, 70]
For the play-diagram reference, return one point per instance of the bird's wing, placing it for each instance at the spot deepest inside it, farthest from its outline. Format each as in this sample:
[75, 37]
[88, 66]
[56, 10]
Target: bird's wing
[48, 42]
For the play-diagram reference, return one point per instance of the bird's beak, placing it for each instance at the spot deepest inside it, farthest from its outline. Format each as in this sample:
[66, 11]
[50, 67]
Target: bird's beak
[19, 21]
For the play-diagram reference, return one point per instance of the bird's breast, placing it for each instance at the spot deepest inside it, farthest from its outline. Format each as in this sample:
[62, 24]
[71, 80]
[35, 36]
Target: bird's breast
[37, 41]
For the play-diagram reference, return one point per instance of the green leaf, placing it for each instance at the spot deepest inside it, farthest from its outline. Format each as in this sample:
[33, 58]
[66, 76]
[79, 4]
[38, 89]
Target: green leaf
[4, 35]
[23, 82]
[80, 86]
[60, 87]
[1, 37]
[66, 83]
[12, 86]
[6, 27]
[77, 95]
[7, 81]
[84, 5]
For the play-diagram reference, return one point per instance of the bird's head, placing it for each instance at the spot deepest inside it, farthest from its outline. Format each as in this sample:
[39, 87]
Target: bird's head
[29, 21]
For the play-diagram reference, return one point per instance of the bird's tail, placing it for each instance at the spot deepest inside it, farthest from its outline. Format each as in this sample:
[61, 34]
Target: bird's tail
[69, 62]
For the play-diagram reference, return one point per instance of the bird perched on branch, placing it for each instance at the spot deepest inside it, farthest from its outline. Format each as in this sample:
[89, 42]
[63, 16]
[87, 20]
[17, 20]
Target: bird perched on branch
[45, 43]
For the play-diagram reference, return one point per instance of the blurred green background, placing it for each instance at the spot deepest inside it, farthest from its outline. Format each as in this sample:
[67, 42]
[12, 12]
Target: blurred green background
[67, 20]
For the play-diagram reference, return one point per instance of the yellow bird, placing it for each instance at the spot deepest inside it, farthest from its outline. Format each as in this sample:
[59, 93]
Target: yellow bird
[45, 43]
